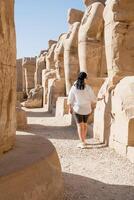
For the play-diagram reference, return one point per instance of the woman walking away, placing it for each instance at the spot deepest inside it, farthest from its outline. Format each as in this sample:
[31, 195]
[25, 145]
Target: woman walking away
[80, 99]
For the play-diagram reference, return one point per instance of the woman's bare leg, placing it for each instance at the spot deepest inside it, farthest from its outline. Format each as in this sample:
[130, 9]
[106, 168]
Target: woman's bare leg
[80, 128]
[84, 131]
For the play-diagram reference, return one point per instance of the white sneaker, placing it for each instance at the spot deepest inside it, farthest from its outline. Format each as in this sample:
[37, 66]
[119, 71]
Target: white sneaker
[81, 145]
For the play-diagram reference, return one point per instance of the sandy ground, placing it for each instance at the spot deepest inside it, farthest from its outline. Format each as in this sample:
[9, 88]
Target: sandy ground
[96, 173]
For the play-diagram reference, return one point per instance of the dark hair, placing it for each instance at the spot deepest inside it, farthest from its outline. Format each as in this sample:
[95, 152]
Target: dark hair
[80, 85]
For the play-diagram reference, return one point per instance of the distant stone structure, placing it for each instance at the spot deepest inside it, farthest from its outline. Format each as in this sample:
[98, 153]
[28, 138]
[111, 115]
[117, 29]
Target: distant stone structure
[29, 64]
[49, 72]
[21, 117]
[20, 79]
[40, 65]
[35, 98]
[7, 76]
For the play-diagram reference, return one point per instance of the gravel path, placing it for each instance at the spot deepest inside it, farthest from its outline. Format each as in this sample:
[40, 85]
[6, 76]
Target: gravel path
[96, 173]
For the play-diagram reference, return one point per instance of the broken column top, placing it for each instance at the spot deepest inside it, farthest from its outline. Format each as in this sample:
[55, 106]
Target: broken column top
[122, 11]
[74, 15]
[50, 43]
[88, 2]
[29, 61]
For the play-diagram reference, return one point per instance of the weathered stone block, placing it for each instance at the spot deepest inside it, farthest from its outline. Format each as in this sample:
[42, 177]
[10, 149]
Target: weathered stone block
[7, 76]
[31, 171]
[35, 98]
[61, 106]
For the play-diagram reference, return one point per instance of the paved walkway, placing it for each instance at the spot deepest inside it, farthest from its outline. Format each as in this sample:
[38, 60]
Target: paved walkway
[97, 173]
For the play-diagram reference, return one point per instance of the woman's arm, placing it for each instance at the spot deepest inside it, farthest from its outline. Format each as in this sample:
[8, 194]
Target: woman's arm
[70, 109]
[70, 100]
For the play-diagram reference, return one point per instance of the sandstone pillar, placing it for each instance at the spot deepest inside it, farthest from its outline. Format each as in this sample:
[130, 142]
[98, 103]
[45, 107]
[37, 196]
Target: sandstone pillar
[119, 37]
[19, 75]
[40, 65]
[30, 65]
[91, 38]
[50, 71]
[116, 97]
[7, 75]
[50, 55]
[20, 80]
[71, 61]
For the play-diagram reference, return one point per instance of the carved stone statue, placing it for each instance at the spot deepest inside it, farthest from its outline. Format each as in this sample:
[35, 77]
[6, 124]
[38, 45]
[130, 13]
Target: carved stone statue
[40, 65]
[59, 56]
[50, 71]
[50, 55]
[119, 37]
[90, 39]
[114, 113]
[56, 77]
[71, 61]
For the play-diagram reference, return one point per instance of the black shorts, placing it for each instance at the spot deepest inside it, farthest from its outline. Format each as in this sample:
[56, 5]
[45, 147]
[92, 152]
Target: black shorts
[81, 118]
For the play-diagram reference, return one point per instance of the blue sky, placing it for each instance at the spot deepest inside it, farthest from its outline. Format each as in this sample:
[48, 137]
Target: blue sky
[37, 21]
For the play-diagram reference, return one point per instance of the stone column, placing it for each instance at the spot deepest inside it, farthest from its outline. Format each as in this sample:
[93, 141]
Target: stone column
[59, 56]
[90, 39]
[114, 114]
[71, 61]
[50, 71]
[40, 65]
[30, 65]
[7, 75]
[20, 80]
[56, 82]
[19, 75]
[50, 55]
[119, 37]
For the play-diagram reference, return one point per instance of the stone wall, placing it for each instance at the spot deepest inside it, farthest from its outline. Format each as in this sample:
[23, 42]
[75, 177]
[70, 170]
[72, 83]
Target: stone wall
[7, 75]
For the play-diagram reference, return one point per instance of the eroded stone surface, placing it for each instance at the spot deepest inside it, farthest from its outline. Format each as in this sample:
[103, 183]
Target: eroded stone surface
[71, 60]
[35, 98]
[31, 170]
[7, 75]
[90, 39]
[21, 117]
[40, 65]
[119, 37]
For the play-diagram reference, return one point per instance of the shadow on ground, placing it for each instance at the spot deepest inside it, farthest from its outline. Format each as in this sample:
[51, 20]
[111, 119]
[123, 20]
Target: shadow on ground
[39, 114]
[52, 132]
[83, 188]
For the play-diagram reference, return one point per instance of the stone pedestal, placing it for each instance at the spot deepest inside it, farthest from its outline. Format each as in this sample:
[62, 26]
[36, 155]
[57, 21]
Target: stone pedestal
[31, 171]
[56, 88]
[61, 106]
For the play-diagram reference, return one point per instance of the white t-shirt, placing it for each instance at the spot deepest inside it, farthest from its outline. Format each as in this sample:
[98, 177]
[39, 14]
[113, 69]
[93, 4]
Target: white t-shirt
[81, 99]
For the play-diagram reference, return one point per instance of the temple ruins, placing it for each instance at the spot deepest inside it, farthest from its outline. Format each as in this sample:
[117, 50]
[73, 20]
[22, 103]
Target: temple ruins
[99, 41]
